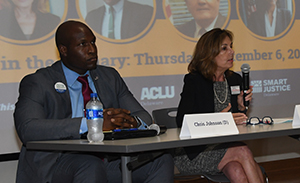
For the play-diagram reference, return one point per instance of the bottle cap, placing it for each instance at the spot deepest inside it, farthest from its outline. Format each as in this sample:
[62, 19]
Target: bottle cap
[93, 95]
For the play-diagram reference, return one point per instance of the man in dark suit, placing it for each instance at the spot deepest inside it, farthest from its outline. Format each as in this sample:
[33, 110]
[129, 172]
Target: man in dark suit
[206, 17]
[129, 19]
[50, 107]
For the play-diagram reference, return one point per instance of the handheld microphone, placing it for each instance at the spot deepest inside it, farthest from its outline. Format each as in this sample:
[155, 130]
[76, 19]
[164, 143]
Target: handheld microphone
[245, 70]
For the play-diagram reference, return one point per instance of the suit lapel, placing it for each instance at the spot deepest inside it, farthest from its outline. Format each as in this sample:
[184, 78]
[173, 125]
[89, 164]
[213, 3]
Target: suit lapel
[126, 16]
[220, 21]
[101, 16]
[57, 75]
[280, 22]
[99, 82]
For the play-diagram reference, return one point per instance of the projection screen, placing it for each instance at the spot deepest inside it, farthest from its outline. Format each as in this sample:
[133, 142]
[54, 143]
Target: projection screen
[152, 55]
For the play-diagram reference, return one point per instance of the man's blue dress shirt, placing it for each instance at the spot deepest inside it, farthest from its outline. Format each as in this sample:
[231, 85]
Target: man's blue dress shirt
[75, 91]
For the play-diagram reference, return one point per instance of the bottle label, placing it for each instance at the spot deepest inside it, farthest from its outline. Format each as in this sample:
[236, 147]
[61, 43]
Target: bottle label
[94, 114]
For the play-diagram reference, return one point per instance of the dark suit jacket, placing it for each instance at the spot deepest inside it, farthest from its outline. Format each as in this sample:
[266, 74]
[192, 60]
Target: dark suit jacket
[257, 22]
[135, 19]
[43, 114]
[198, 97]
[189, 28]
[10, 28]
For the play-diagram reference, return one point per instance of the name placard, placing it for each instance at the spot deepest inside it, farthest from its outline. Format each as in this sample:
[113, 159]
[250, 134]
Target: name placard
[296, 118]
[207, 125]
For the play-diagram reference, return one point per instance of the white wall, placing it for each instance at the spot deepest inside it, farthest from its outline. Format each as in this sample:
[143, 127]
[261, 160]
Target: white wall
[8, 171]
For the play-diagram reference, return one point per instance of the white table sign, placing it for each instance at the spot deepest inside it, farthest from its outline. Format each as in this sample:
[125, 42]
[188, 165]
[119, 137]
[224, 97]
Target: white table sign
[207, 125]
[296, 119]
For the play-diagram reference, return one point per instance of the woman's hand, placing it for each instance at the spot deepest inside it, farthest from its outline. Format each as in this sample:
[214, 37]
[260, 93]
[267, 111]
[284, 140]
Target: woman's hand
[240, 99]
[239, 118]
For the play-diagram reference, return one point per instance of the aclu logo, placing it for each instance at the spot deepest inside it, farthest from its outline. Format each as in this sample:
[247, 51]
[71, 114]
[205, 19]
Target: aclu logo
[271, 85]
[158, 92]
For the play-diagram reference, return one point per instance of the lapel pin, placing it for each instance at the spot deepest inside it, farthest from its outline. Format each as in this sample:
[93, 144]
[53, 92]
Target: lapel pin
[60, 87]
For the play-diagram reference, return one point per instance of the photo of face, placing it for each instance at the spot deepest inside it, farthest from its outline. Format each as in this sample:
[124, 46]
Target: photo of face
[203, 11]
[193, 18]
[118, 19]
[23, 3]
[111, 2]
[266, 18]
[28, 20]
[271, 2]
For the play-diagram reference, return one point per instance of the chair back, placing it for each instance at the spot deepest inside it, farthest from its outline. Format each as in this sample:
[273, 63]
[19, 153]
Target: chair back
[165, 116]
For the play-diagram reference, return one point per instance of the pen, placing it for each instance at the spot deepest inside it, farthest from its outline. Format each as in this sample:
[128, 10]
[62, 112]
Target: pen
[125, 129]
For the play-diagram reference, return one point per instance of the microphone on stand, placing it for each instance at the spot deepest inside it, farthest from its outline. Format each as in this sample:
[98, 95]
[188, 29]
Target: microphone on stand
[246, 86]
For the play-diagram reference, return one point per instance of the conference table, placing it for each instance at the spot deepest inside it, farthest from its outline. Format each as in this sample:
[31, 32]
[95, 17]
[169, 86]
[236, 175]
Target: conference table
[170, 139]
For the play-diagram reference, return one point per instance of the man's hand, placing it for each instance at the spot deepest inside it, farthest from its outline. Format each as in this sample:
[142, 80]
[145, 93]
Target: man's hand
[117, 119]
[239, 118]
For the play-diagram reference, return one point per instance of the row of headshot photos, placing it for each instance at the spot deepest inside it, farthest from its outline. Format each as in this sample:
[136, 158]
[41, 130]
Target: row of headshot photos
[125, 19]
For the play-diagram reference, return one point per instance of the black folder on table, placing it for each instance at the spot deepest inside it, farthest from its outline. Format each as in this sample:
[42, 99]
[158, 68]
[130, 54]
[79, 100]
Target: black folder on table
[133, 133]
[127, 134]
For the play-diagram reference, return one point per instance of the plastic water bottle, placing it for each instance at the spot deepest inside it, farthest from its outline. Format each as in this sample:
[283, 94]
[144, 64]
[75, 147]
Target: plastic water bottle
[94, 119]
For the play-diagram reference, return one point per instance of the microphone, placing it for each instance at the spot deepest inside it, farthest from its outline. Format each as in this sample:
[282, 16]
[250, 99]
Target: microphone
[245, 70]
